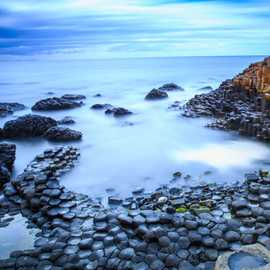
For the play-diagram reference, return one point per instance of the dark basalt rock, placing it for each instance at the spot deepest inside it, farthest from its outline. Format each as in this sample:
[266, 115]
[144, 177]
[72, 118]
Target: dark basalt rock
[28, 126]
[74, 97]
[118, 112]
[62, 134]
[9, 108]
[67, 120]
[156, 94]
[52, 104]
[7, 158]
[171, 87]
[101, 106]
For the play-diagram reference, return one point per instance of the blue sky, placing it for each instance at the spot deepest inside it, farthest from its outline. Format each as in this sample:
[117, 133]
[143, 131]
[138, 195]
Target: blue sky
[134, 28]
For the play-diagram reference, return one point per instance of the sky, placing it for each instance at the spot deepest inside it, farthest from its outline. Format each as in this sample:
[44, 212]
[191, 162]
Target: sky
[134, 28]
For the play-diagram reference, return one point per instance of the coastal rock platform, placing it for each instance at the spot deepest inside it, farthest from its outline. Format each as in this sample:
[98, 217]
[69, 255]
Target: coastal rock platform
[170, 228]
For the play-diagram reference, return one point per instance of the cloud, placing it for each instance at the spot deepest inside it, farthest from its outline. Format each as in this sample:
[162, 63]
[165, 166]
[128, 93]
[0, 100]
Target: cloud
[130, 28]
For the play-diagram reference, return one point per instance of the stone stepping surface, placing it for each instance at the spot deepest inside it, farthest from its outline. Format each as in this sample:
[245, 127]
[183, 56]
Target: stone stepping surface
[76, 232]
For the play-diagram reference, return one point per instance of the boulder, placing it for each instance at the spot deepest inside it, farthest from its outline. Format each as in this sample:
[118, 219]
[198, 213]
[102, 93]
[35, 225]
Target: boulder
[118, 112]
[62, 134]
[171, 87]
[9, 108]
[74, 97]
[52, 104]
[156, 94]
[28, 126]
[7, 158]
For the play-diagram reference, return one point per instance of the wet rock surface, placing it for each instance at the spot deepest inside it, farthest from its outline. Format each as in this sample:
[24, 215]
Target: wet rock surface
[52, 104]
[10, 108]
[170, 228]
[156, 94]
[7, 158]
[27, 126]
[62, 134]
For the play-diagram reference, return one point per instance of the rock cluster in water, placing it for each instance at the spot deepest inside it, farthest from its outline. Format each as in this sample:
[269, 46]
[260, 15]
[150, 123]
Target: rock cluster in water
[7, 158]
[28, 126]
[161, 92]
[10, 108]
[37, 126]
[171, 228]
[156, 94]
[236, 108]
[110, 109]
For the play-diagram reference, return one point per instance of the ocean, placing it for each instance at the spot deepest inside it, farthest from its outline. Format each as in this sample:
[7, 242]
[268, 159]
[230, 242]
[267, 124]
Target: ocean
[146, 148]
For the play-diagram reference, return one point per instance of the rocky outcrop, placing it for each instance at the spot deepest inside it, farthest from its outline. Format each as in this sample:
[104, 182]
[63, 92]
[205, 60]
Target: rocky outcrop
[171, 87]
[53, 104]
[28, 126]
[254, 79]
[62, 134]
[241, 104]
[111, 110]
[156, 94]
[10, 108]
[7, 158]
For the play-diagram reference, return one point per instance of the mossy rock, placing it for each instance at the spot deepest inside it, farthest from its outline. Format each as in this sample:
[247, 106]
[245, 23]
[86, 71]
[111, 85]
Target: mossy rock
[181, 210]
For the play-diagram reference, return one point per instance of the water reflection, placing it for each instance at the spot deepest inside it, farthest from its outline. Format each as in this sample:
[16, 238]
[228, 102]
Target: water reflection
[16, 236]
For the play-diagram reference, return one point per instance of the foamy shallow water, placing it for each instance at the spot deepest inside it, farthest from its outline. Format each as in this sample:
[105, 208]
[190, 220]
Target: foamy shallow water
[159, 142]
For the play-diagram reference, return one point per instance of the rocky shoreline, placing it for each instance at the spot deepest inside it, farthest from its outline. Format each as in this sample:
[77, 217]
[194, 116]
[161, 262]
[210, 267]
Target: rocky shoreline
[171, 228]
[178, 228]
[240, 104]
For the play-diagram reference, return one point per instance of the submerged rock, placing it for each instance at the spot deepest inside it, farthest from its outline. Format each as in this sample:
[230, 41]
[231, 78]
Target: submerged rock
[7, 158]
[156, 94]
[171, 87]
[74, 97]
[101, 106]
[28, 126]
[9, 108]
[67, 120]
[51, 104]
[206, 88]
[62, 134]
